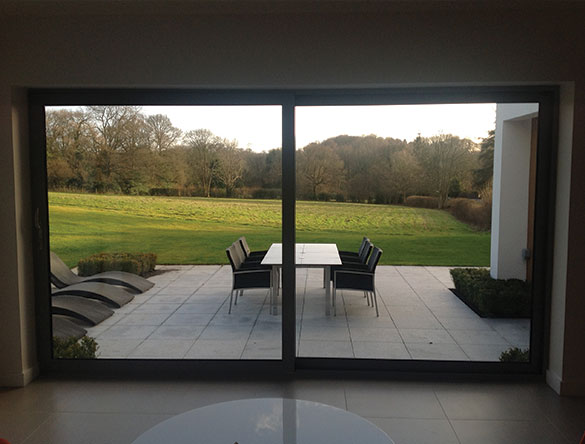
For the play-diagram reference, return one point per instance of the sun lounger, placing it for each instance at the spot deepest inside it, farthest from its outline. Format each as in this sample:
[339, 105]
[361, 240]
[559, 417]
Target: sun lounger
[110, 295]
[84, 310]
[62, 276]
[65, 328]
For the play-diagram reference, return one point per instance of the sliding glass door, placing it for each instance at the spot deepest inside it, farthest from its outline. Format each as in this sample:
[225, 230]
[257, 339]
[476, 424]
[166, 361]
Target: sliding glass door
[409, 225]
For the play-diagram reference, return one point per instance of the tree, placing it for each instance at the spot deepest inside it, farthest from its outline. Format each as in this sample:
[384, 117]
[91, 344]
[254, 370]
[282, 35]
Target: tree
[230, 165]
[484, 174]
[119, 129]
[406, 174]
[443, 158]
[68, 137]
[319, 166]
[203, 159]
[273, 169]
[162, 134]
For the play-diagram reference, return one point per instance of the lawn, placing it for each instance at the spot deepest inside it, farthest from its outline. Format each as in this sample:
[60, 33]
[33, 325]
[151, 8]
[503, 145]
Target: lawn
[198, 230]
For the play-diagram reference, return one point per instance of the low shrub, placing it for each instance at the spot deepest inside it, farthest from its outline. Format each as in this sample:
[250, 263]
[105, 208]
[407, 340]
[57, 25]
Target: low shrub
[493, 298]
[266, 193]
[137, 263]
[71, 348]
[422, 202]
[515, 354]
[164, 192]
[471, 211]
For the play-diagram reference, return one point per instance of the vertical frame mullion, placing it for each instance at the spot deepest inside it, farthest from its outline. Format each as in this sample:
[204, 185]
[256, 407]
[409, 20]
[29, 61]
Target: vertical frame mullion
[288, 236]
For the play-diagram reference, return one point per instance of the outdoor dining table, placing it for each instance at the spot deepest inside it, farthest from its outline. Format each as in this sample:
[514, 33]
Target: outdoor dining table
[306, 256]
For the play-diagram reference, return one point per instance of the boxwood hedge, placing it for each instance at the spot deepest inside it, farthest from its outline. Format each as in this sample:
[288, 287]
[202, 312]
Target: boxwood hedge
[137, 263]
[492, 298]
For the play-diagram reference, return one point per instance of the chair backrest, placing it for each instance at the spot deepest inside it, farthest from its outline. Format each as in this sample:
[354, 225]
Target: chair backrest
[365, 241]
[61, 274]
[234, 257]
[244, 244]
[366, 251]
[374, 259]
[240, 251]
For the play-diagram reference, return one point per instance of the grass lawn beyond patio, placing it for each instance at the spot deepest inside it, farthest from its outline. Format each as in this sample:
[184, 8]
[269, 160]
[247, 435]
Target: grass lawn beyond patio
[198, 230]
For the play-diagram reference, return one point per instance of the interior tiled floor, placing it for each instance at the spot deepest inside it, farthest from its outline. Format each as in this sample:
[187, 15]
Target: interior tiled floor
[87, 412]
[185, 316]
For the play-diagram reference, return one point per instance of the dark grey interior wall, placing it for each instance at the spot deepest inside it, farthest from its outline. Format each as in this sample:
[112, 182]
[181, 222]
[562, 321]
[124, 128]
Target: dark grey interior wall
[396, 46]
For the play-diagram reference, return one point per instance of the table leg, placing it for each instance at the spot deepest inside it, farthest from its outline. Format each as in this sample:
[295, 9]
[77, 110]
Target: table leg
[274, 290]
[327, 291]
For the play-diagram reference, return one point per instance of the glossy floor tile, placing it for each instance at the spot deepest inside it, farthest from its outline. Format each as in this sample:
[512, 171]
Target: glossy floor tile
[78, 412]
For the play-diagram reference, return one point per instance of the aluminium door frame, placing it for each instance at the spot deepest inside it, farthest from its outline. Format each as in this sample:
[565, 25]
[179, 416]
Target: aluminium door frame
[547, 98]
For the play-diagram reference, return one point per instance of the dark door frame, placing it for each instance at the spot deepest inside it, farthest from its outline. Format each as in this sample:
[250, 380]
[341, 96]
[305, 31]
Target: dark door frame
[545, 96]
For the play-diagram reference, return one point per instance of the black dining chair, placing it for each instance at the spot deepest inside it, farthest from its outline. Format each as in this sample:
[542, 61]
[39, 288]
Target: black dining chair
[343, 254]
[358, 261]
[246, 276]
[362, 257]
[362, 278]
[256, 255]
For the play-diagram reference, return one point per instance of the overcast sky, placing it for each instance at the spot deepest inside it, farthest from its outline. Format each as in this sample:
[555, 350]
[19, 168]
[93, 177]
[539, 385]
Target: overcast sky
[258, 127]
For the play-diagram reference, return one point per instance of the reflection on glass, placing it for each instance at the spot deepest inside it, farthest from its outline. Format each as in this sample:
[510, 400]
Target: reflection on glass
[155, 195]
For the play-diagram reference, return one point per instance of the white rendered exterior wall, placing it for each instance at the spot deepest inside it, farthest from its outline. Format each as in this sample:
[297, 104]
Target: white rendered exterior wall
[511, 189]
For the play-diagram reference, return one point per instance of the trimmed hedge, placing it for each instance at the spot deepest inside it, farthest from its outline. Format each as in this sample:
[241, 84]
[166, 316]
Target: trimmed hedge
[471, 211]
[492, 298]
[71, 348]
[422, 202]
[137, 263]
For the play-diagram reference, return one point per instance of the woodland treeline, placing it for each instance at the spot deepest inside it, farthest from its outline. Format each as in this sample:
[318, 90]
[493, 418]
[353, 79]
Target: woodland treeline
[119, 149]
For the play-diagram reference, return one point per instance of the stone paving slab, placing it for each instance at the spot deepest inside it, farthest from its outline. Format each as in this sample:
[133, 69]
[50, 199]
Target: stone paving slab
[185, 316]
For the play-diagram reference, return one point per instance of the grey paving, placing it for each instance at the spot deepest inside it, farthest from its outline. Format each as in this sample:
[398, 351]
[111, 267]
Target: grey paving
[185, 316]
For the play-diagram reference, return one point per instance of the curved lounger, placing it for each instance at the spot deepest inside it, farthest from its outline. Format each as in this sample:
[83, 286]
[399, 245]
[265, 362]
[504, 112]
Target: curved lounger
[62, 276]
[65, 328]
[85, 310]
[110, 295]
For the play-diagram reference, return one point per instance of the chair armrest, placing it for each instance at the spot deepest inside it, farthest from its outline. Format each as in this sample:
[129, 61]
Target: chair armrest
[355, 266]
[255, 270]
[359, 272]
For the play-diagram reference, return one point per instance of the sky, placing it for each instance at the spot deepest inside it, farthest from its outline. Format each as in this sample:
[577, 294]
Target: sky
[258, 127]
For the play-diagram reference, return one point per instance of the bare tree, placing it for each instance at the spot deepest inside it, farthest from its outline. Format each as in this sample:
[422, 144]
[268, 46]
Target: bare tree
[406, 174]
[319, 166]
[230, 165]
[203, 147]
[443, 158]
[68, 135]
[162, 134]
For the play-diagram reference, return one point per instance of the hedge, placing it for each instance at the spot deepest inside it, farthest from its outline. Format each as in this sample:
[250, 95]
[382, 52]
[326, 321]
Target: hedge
[471, 211]
[492, 298]
[137, 263]
[515, 354]
[71, 348]
[422, 202]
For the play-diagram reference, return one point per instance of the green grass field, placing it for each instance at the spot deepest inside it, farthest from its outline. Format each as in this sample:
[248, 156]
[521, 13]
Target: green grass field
[198, 230]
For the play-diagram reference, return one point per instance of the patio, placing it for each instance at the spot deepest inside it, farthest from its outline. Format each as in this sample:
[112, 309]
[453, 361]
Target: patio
[185, 316]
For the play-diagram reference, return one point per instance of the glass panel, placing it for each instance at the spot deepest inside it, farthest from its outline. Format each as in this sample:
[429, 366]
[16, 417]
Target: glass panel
[420, 182]
[162, 192]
